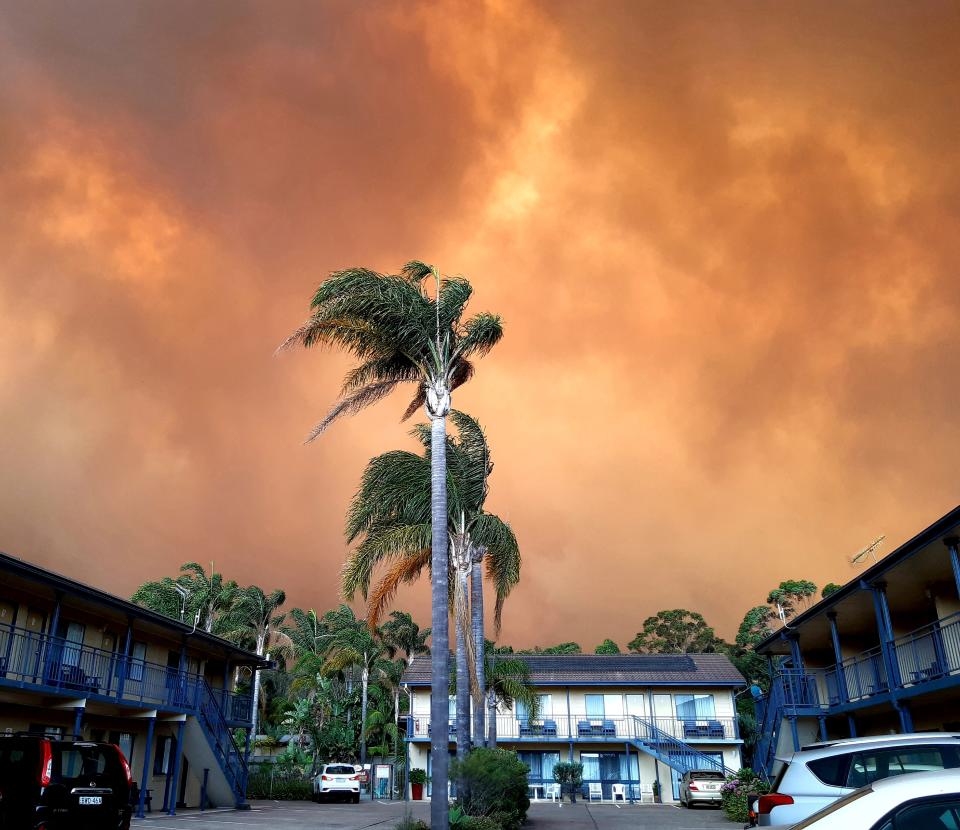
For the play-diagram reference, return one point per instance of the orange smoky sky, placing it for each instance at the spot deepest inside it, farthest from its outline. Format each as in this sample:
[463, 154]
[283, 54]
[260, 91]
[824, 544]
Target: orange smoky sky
[724, 239]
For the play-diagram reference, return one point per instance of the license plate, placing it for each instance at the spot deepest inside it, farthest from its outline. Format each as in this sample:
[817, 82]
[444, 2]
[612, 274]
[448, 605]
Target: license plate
[91, 800]
[340, 780]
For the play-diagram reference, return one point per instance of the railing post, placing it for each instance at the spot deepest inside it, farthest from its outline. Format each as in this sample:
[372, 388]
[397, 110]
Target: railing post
[842, 692]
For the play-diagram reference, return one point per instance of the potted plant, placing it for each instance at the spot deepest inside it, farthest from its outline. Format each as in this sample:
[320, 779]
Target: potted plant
[656, 792]
[418, 778]
[569, 775]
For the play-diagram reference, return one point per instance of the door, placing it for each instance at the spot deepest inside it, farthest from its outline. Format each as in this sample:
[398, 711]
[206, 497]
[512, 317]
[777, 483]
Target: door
[73, 642]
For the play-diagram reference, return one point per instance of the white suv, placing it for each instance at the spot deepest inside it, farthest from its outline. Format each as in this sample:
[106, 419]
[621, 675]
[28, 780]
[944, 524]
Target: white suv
[819, 774]
[337, 779]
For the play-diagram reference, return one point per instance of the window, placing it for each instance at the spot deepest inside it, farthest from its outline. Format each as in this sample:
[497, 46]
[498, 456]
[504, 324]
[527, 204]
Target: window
[692, 707]
[937, 815]
[163, 760]
[635, 705]
[867, 767]
[124, 740]
[541, 764]
[74, 642]
[594, 706]
[545, 703]
[138, 655]
[831, 770]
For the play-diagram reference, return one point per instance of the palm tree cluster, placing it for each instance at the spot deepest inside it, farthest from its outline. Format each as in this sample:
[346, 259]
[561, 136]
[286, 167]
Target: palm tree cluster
[399, 334]
[337, 686]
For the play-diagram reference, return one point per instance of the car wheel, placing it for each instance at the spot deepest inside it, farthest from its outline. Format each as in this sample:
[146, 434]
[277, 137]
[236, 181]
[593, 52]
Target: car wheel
[356, 798]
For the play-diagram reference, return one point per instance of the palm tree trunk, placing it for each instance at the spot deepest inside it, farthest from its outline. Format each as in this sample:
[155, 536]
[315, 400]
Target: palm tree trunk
[476, 623]
[255, 715]
[463, 679]
[439, 618]
[492, 737]
[365, 682]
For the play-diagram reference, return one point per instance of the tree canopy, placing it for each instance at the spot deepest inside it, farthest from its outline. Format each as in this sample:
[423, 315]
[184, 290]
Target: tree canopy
[676, 631]
[608, 646]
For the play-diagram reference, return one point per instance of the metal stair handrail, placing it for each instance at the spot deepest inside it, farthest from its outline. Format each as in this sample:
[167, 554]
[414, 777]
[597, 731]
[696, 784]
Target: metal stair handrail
[220, 737]
[674, 752]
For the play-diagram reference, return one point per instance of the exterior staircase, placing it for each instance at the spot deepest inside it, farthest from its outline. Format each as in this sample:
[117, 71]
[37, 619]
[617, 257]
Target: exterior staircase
[211, 738]
[646, 736]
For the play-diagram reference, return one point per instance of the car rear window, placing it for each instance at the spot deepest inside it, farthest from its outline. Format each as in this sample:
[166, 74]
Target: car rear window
[831, 770]
[340, 770]
[707, 775]
[867, 767]
[80, 765]
[18, 761]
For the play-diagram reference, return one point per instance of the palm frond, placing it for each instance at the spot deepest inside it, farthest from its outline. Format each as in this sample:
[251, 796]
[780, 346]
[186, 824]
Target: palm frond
[352, 404]
[481, 333]
[405, 570]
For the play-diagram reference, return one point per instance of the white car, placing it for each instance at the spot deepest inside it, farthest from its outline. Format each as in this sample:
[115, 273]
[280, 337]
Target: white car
[919, 801]
[337, 779]
[819, 774]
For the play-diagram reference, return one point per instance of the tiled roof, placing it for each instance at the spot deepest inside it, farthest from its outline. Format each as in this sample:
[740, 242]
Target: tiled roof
[612, 669]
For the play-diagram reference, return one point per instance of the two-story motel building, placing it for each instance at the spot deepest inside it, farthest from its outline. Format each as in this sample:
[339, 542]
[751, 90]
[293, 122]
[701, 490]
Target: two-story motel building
[75, 660]
[630, 719]
[880, 655]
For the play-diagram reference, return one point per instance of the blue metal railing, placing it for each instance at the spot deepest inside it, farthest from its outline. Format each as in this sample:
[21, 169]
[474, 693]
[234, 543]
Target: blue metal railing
[930, 652]
[675, 753]
[220, 737]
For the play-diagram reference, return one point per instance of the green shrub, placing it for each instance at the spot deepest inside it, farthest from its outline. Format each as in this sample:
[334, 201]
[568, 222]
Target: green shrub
[482, 823]
[494, 784]
[408, 822]
[735, 792]
[267, 782]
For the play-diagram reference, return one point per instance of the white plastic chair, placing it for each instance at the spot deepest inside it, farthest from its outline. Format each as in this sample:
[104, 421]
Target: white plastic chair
[552, 791]
[595, 790]
[618, 790]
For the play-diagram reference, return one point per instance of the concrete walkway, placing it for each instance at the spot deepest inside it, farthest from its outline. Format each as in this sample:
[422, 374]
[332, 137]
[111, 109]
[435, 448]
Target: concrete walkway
[384, 815]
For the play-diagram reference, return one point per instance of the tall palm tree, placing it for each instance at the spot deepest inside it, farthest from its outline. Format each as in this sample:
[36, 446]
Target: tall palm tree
[255, 620]
[390, 513]
[353, 646]
[399, 335]
[306, 631]
[402, 634]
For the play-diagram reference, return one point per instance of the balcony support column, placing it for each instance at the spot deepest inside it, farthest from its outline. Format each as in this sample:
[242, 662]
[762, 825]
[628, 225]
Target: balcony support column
[123, 668]
[823, 727]
[147, 752]
[885, 627]
[176, 769]
[842, 693]
[569, 726]
[952, 545]
[78, 722]
[852, 724]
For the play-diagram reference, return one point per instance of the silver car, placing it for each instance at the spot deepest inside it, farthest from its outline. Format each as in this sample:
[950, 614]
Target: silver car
[819, 774]
[701, 786]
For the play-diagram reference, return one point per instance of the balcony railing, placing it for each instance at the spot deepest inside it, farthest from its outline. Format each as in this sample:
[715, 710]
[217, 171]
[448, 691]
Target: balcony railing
[29, 658]
[930, 652]
[587, 728]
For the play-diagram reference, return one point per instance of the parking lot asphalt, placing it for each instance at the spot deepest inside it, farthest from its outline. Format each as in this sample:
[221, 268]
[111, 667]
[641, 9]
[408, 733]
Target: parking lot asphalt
[383, 815]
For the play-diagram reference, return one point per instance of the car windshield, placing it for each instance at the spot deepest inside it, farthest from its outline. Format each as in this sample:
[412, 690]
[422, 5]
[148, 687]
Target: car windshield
[839, 804]
[340, 769]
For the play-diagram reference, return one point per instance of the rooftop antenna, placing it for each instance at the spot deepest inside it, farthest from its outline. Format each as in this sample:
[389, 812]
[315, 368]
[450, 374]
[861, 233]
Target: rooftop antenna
[870, 550]
[184, 593]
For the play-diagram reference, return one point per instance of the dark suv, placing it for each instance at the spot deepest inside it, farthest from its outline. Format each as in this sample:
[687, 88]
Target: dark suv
[52, 784]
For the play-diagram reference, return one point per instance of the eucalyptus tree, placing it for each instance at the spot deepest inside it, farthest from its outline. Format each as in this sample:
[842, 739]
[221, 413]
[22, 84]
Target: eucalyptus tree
[399, 335]
[255, 621]
[389, 516]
